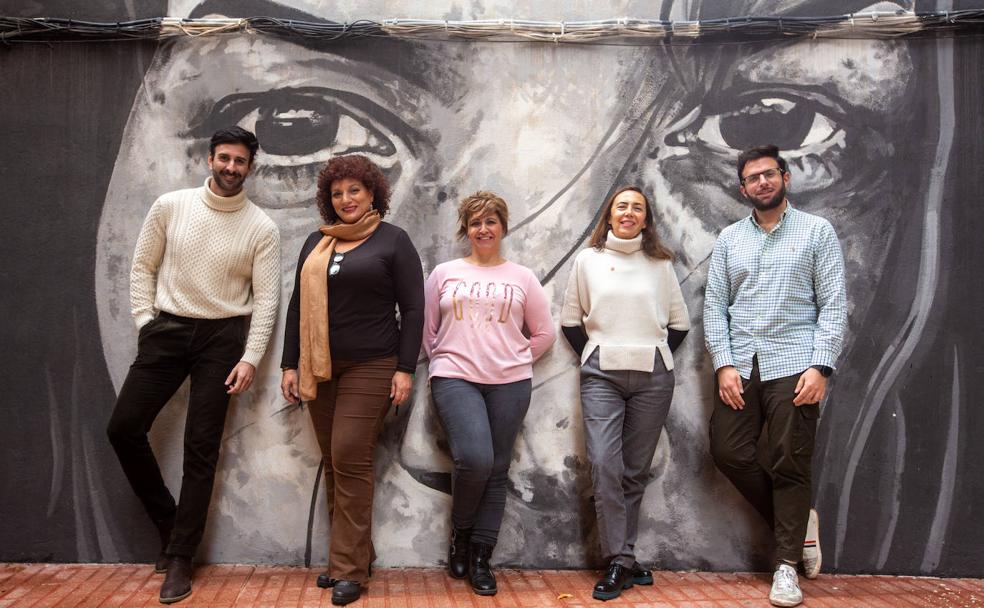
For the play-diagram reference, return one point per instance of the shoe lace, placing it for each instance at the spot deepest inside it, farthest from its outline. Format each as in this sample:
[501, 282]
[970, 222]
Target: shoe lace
[785, 580]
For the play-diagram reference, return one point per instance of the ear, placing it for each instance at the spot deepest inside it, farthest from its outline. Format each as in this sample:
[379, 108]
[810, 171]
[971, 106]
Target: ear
[741, 189]
[210, 159]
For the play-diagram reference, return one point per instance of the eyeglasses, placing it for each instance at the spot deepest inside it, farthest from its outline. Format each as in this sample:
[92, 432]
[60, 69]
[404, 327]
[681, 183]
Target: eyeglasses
[336, 264]
[768, 174]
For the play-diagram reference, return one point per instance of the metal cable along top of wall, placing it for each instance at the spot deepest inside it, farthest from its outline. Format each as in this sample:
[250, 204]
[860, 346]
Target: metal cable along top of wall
[624, 30]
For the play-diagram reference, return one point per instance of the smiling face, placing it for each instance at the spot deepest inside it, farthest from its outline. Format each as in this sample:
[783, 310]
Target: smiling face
[764, 183]
[628, 214]
[485, 234]
[351, 199]
[230, 164]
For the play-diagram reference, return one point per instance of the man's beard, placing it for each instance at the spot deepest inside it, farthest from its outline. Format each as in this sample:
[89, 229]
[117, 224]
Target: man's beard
[236, 181]
[771, 203]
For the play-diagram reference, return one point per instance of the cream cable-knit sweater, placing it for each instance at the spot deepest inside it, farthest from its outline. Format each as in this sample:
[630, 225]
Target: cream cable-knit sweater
[625, 301]
[204, 256]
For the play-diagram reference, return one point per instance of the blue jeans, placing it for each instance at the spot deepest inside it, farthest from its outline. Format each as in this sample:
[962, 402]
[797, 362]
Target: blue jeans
[624, 413]
[482, 422]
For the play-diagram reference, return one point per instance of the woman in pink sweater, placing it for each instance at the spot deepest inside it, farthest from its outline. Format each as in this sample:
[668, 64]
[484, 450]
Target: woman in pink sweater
[481, 370]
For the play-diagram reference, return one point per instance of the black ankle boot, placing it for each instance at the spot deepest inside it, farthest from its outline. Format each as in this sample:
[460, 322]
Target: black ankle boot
[610, 586]
[164, 528]
[177, 583]
[458, 553]
[479, 571]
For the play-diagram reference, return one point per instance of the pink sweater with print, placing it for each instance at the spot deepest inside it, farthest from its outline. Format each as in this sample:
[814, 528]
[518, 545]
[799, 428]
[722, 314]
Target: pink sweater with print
[474, 319]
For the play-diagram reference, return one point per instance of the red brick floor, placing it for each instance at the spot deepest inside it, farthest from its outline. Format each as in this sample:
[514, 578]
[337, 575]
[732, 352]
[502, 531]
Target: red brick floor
[89, 586]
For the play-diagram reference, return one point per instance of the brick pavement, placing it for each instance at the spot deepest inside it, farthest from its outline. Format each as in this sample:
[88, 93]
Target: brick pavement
[228, 586]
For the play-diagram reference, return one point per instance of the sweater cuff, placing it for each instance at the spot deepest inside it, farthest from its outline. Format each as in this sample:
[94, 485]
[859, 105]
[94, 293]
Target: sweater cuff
[722, 359]
[143, 319]
[253, 358]
[571, 316]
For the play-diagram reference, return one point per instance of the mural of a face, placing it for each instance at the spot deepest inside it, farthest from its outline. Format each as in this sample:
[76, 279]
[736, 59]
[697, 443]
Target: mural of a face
[553, 129]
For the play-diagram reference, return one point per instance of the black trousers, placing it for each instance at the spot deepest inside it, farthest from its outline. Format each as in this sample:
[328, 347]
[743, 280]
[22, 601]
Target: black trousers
[781, 493]
[171, 348]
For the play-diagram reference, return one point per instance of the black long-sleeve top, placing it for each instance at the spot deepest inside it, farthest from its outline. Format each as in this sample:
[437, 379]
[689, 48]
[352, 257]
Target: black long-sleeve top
[377, 276]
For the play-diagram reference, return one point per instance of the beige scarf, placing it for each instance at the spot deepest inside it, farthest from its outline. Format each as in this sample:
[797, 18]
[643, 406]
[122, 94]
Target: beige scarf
[315, 363]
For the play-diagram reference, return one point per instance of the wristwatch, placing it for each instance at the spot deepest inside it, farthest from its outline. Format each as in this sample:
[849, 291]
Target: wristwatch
[824, 370]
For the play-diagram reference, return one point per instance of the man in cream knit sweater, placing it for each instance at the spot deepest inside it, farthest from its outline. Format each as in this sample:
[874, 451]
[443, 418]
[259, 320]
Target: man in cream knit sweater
[206, 259]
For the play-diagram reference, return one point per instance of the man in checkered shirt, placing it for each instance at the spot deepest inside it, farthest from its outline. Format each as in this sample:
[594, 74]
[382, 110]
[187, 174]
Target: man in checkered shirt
[775, 311]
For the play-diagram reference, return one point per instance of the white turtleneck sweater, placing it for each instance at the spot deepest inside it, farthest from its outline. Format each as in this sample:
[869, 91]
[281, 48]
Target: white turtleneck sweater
[205, 256]
[625, 301]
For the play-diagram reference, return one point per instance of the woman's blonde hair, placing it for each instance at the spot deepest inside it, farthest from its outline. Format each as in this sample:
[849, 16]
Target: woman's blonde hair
[481, 203]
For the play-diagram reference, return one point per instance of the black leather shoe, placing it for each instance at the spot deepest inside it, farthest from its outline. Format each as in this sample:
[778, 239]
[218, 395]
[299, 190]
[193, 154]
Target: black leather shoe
[610, 586]
[641, 576]
[479, 571]
[177, 583]
[345, 592]
[458, 553]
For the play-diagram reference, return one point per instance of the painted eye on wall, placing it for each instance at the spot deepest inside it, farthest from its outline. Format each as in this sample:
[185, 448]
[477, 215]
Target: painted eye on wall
[816, 136]
[797, 125]
[308, 125]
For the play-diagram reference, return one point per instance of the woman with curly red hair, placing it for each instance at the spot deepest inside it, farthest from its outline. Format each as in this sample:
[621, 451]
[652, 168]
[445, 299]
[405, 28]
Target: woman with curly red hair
[345, 352]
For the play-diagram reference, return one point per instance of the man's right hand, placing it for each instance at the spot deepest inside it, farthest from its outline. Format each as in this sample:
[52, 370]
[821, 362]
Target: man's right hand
[730, 388]
[289, 386]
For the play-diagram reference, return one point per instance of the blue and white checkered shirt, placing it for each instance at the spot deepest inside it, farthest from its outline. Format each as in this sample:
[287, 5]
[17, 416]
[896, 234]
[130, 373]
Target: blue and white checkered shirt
[779, 295]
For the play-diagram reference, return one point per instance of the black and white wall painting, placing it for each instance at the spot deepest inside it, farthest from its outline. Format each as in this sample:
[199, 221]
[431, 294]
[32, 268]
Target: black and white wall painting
[883, 138]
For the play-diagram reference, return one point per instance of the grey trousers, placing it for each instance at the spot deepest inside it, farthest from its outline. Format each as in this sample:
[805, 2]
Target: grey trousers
[482, 422]
[624, 412]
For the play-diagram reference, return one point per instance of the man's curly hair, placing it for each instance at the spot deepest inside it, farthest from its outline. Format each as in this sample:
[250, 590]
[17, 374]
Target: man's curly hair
[357, 167]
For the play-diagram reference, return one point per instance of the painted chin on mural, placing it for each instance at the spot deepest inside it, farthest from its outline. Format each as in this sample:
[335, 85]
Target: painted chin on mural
[553, 132]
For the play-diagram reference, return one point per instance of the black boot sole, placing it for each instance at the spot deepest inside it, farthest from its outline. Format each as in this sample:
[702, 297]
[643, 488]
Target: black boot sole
[610, 595]
[342, 601]
[485, 592]
[177, 598]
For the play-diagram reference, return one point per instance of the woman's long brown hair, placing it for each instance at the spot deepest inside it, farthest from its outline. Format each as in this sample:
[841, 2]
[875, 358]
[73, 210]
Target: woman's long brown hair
[651, 245]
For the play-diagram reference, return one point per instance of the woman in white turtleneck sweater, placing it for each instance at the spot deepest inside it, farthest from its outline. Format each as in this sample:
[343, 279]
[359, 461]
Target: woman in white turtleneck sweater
[624, 315]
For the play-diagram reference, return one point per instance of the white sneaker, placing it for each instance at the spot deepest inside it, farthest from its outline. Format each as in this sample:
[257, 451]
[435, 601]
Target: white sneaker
[785, 587]
[811, 546]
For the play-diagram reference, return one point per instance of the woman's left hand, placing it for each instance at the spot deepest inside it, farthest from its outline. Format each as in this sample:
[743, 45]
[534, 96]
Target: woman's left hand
[401, 387]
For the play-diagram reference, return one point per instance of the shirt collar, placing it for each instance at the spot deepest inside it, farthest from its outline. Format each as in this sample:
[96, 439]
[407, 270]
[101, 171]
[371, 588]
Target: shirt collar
[788, 212]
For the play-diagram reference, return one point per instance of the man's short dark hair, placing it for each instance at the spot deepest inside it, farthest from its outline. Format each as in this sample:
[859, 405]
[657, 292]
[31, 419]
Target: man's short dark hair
[235, 135]
[758, 152]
